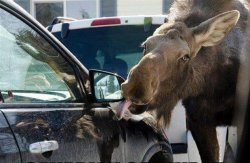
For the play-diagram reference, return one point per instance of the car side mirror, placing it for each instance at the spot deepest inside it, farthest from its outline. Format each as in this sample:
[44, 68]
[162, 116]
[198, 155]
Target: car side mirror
[105, 86]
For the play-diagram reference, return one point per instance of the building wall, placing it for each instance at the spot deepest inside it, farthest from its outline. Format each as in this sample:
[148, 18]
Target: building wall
[46, 10]
[108, 8]
[139, 7]
[24, 4]
[165, 6]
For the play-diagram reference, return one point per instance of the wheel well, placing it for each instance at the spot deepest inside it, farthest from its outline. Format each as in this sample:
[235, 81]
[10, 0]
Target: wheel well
[161, 156]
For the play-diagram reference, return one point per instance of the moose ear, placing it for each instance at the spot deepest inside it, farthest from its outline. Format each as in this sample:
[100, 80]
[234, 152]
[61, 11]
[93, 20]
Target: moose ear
[213, 30]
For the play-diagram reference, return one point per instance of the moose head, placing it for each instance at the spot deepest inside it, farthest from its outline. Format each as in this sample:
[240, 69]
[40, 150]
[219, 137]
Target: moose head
[165, 74]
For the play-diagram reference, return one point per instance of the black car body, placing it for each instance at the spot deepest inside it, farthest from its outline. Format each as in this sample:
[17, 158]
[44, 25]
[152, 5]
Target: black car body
[48, 111]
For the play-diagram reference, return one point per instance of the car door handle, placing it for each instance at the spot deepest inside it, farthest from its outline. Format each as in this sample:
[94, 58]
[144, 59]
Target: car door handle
[43, 146]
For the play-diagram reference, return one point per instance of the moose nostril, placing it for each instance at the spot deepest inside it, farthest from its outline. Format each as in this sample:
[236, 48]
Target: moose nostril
[133, 100]
[124, 89]
[124, 85]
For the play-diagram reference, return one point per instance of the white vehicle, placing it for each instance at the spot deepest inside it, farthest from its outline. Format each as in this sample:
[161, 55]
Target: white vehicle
[113, 44]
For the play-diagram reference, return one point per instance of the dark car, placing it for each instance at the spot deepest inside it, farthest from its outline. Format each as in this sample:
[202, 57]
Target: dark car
[54, 110]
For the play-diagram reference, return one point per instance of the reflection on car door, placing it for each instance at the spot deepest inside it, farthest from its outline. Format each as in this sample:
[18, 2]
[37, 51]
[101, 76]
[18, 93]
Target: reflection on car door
[44, 103]
[47, 123]
[9, 151]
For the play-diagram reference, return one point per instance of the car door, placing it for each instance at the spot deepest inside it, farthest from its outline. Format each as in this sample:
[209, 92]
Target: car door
[44, 101]
[9, 151]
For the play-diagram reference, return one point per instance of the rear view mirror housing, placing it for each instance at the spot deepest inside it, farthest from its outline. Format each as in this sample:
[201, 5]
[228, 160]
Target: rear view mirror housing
[105, 86]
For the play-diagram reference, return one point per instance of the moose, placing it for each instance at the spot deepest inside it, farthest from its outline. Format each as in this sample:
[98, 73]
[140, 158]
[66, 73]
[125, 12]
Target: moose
[193, 57]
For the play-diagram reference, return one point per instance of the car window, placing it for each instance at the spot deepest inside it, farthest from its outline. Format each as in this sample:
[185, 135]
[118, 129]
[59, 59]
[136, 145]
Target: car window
[31, 69]
[106, 48]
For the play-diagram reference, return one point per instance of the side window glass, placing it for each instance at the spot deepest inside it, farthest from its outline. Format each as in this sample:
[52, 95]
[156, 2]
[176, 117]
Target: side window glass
[31, 69]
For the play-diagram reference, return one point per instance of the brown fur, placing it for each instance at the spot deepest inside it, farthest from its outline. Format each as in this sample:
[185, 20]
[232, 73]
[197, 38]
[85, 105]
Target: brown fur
[195, 56]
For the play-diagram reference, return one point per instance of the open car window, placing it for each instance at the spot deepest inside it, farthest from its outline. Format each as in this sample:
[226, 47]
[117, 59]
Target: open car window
[31, 69]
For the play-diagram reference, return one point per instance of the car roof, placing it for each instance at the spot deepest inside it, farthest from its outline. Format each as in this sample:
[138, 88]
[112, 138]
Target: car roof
[110, 21]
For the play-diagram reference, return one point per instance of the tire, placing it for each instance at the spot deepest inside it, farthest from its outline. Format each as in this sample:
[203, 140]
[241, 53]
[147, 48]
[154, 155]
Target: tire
[161, 157]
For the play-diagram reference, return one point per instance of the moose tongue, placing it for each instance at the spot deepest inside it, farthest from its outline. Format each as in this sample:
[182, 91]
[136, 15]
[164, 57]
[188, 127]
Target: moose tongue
[122, 107]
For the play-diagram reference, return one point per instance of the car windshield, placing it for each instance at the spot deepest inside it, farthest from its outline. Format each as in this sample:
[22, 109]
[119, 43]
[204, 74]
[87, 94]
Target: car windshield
[107, 48]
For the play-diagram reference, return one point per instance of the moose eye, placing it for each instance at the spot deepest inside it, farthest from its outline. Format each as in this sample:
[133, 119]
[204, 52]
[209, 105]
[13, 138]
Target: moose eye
[185, 57]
